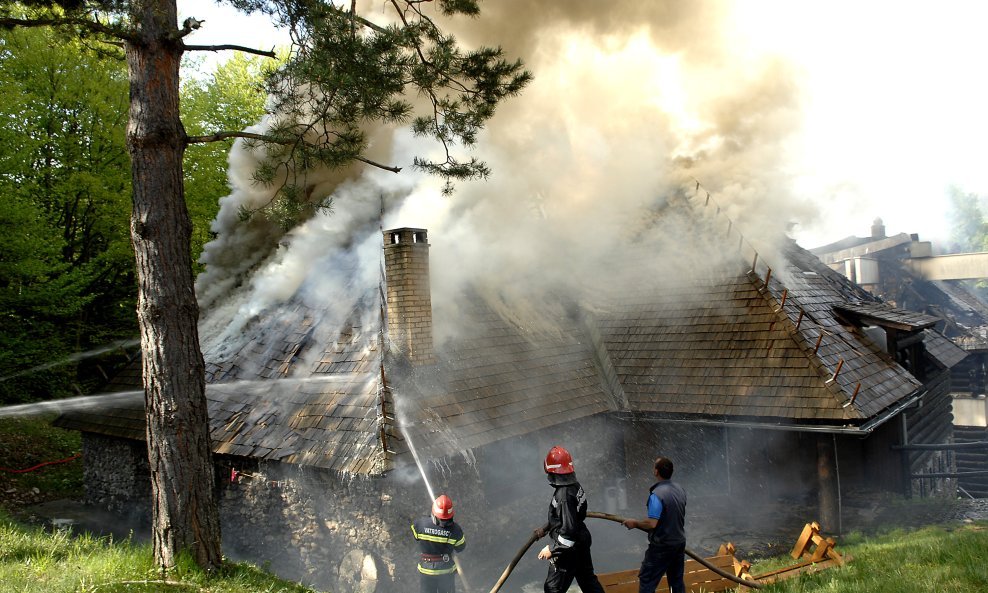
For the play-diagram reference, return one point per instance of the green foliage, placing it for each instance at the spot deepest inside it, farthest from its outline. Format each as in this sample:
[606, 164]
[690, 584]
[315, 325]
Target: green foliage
[65, 562]
[346, 72]
[232, 98]
[968, 228]
[66, 278]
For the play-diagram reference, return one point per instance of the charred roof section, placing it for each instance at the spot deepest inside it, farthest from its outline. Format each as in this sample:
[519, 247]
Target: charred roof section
[735, 344]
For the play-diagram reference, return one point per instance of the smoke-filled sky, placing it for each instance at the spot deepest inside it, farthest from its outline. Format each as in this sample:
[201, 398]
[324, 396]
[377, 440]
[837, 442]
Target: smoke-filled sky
[828, 114]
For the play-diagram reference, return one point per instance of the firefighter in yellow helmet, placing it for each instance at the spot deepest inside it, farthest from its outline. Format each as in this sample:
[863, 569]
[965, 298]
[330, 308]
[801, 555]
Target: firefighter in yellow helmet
[439, 538]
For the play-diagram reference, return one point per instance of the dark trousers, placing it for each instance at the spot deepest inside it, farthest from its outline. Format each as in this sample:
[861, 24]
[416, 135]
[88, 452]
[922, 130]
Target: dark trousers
[572, 564]
[438, 583]
[662, 561]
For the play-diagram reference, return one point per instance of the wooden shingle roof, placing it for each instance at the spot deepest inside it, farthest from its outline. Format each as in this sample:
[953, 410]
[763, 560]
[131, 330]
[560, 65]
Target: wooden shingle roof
[297, 388]
[122, 418]
[943, 350]
[887, 316]
[726, 342]
[817, 291]
[328, 422]
[303, 387]
[714, 348]
[505, 380]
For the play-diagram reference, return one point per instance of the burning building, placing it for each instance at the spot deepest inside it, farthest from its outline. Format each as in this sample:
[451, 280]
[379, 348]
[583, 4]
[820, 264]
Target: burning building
[337, 414]
[903, 270]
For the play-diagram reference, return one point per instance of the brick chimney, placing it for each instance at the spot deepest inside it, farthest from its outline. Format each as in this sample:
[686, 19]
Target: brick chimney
[878, 229]
[409, 299]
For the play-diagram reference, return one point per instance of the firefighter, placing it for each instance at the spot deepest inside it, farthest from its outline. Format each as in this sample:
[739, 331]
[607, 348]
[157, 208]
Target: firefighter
[439, 537]
[569, 551]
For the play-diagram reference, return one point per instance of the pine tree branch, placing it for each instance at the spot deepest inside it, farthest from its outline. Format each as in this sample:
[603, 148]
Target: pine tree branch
[359, 19]
[90, 25]
[258, 52]
[378, 165]
[219, 136]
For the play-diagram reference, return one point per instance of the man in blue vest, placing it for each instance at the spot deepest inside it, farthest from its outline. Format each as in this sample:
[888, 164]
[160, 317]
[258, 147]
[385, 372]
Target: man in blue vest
[439, 537]
[666, 527]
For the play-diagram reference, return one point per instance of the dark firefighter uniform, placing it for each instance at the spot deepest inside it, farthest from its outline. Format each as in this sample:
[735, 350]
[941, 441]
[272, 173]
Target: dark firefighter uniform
[570, 545]
[438, 540]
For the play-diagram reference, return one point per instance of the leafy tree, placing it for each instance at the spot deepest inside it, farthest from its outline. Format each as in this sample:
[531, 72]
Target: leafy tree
[344, 71]
[232, 98]
[968, 228]
[37, 293]
[66, 266]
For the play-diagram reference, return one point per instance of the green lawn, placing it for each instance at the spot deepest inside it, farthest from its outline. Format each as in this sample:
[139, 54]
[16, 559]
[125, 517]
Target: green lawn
[923, 560]
[926, 560]
[34, 560]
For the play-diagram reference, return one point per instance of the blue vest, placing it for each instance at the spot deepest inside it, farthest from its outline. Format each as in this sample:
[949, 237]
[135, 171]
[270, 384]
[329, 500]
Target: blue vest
[671, 529]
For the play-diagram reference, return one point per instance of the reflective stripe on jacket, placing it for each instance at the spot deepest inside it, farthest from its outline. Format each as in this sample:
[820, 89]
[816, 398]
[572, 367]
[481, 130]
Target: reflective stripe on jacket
[438, 540]
[567, 512]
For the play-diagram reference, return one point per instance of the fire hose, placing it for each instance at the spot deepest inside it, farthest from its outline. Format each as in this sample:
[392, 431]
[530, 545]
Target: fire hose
[40, 465]
[535, 537]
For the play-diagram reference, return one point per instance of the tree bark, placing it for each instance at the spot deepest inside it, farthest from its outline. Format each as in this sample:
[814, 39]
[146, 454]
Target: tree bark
[179, 451]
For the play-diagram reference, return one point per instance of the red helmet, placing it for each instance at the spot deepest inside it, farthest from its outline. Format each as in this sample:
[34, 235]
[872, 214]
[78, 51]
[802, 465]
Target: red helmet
[442, 508]
[558, 461]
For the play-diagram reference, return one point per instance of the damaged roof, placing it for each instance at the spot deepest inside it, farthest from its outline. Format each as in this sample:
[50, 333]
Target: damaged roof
[290, 393]
[961, 313]
[739, 343]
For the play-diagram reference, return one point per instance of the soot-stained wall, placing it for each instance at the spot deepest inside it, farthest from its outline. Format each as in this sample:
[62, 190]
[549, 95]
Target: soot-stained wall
[353, 533]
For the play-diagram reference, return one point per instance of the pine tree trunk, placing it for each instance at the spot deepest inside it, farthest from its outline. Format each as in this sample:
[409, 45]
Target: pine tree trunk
[182, 478]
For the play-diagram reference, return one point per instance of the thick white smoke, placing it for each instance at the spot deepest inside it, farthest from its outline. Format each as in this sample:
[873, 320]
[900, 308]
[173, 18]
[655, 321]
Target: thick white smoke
[631, 103]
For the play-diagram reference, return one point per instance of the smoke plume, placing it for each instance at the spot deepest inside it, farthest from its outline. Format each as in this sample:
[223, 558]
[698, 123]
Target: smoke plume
[631, 103]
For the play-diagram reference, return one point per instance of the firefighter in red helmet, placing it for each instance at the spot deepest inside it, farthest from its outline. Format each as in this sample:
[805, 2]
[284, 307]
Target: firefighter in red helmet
[569, 551]
[439, 538]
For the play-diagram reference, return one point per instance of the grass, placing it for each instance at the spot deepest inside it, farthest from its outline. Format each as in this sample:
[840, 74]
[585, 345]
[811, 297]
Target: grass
[34, 560]
[906, 560]
[930, 559]
[26, 441]
[62, 562]
[925, 560]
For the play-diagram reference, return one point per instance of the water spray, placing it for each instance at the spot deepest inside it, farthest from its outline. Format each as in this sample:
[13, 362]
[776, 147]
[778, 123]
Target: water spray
[83, 402]
[72, 403]
[432, 495]
[74, 358]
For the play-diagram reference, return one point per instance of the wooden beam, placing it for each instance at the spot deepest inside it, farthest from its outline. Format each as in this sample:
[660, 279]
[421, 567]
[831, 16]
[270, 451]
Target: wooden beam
[696, 576]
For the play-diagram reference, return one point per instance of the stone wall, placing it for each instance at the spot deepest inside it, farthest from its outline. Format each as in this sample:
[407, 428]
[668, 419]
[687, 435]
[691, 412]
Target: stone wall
[352, 534]
[307, 526]
[116, 474]
[336, 534]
